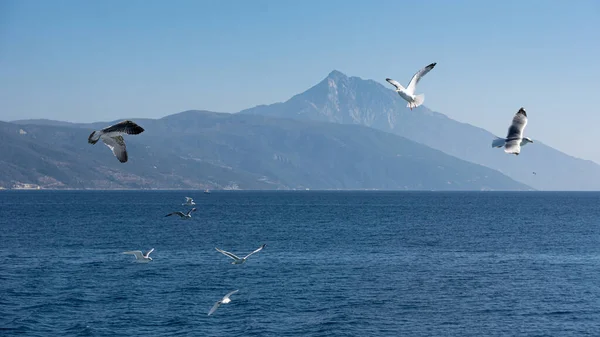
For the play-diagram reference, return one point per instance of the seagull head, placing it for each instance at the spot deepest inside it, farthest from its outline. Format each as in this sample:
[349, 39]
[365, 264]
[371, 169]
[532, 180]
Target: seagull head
[527, 140]
[149, 258]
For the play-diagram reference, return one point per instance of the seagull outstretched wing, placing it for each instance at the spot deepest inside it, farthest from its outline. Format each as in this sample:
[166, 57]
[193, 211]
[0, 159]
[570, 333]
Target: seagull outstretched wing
[256, 251]
[231, 255]
[395, 83]
[229, 294]
[148, 253]
[117, 146]
[417, 77]
[138, 254]
[126, 126]
[176, 213]
[214, 307]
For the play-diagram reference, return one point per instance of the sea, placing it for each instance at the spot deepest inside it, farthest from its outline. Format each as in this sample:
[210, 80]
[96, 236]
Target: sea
[336, 263]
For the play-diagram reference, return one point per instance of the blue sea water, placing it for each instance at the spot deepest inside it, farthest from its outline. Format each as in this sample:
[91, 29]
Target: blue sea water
[335, 264]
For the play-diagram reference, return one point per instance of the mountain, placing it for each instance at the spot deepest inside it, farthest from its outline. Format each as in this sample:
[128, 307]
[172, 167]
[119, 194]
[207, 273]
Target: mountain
[200, 149]
[352, 100]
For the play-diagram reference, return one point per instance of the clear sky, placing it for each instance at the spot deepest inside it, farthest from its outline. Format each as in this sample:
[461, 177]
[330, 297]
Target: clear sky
[103, 60]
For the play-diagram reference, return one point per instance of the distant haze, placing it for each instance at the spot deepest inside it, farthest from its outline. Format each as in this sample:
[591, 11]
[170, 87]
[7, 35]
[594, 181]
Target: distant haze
[90, 61]
[344, 132]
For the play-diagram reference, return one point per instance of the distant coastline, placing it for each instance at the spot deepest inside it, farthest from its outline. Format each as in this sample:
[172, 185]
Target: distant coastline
[23, 186]
[201, 190]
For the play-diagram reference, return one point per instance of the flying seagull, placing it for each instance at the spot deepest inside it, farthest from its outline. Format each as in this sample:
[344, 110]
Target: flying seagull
[225, 300]
[187, 215]
[236, 259]
[408, 93]
[139, 257]
[189, 202]
[514, 139]
[112, 136]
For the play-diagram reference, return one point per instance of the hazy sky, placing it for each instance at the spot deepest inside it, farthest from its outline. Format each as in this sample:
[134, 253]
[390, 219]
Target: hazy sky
[104, 60]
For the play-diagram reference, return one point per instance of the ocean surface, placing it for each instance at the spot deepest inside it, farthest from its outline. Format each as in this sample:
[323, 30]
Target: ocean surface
[335, 264]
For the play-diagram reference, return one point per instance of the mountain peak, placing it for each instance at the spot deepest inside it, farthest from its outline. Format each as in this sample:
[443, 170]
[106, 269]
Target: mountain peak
[340, 99]
[336, 74]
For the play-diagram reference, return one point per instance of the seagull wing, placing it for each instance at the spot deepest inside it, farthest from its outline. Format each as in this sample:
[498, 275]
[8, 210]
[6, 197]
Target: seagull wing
[395, 83]
[117, 146]
[229, 294]
[231, 255]
[176, 213]
[417, 77]
[256, 251]
[127, 127]
[215, 307]
[515, 132]
[148, 253]
[191, 210]
[138, 254]
[188, 199]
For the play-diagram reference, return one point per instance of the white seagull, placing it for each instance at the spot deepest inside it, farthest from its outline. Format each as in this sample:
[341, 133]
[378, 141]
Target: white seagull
[139, 257]
[112, 136]
[187, 215]
[408, 93]
[236, 259]
[225, 300]
[514, 139]
[189, 202]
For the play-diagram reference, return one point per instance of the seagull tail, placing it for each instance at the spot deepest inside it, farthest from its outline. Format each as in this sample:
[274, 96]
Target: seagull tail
[419, 99]
[498, 142]
[94, 137]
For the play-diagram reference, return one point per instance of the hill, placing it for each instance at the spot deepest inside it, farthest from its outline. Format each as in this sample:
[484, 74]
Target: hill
[352, 100]
[199, 149]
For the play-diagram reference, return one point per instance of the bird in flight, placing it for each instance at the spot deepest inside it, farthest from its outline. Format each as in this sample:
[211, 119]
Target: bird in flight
[139, 257]
[408, 93]
[514, 139]
[224, 300]
[189, 202]
[112, 136]
[187, 215]
[236, 259]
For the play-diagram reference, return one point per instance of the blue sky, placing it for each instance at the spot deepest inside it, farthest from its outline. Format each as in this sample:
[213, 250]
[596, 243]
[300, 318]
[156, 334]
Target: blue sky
[103, 60]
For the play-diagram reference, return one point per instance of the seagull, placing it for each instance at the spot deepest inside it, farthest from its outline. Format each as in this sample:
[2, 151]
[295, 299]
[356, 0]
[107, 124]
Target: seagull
[188, 215]
[189, 202]
[534, 173]
[112, 137]
[236, 259]
[408, 93]
[139, 257]
[514, 139]
[225, 300]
